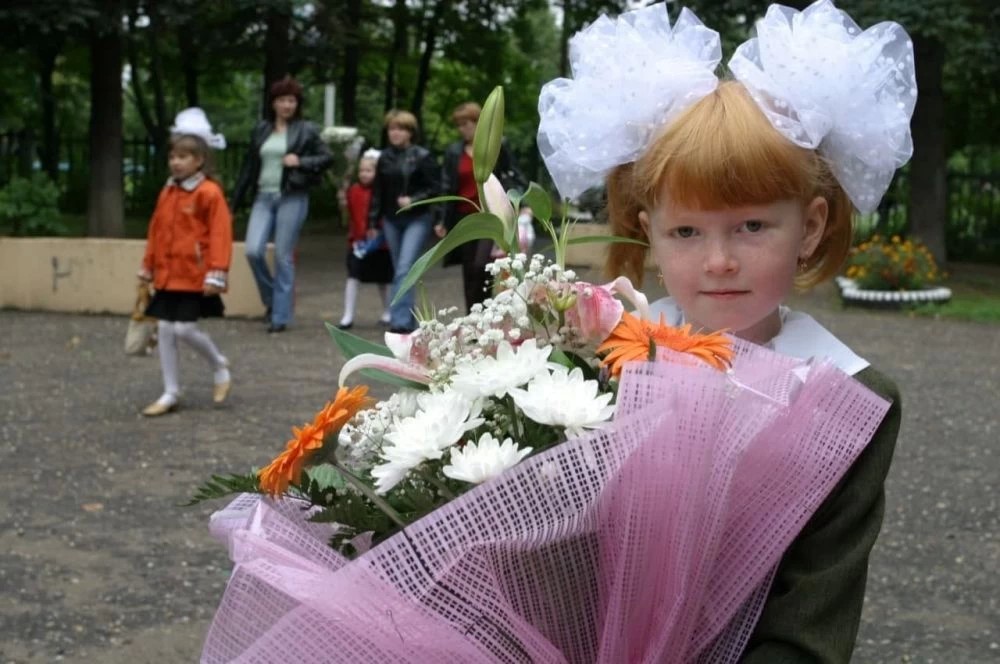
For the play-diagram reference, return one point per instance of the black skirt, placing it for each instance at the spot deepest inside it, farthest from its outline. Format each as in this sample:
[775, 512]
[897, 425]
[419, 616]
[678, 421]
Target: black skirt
[374, 268]
[184, 306]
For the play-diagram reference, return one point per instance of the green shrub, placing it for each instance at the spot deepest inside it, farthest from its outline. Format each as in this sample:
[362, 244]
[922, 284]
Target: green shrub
[30, 206]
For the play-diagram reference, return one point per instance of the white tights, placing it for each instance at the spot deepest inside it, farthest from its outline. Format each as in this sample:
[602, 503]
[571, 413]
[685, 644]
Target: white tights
[169, 332]
[351, 300]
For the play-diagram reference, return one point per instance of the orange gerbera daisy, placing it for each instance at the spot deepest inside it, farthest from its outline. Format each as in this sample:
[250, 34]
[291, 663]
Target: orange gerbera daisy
[287, 467]
[634, 339]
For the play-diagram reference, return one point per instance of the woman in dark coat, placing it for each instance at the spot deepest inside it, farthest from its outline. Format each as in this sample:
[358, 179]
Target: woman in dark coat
[406, 174]
[286, 157]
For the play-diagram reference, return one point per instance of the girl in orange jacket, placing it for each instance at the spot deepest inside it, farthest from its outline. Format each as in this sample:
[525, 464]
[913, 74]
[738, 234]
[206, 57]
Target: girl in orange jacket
[188, 250]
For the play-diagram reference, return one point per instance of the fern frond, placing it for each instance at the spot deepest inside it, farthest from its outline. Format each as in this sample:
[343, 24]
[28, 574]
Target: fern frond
[221, 486]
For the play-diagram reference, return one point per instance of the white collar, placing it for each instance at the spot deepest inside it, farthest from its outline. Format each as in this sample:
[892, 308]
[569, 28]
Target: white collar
[189, 183]
[800, 336]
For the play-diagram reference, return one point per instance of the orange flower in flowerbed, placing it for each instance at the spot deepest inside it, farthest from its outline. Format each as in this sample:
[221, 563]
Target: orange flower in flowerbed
[633, 339]
[287, 467]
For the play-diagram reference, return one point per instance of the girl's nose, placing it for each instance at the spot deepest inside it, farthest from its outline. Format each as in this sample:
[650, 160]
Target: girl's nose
[720, 258]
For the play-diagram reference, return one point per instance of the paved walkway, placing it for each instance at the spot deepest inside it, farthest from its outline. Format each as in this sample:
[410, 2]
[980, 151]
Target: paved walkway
[100, 565]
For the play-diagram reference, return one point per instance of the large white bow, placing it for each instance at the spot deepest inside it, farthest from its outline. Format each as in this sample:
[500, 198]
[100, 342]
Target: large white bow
[825, 84]
[631, 75]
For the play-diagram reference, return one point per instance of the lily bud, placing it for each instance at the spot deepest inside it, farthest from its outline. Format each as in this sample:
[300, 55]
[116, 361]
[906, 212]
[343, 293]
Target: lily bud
[497, 201]
[489, 134]
[596, 312]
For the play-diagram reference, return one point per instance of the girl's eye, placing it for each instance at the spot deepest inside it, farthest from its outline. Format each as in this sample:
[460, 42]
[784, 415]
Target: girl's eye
[753, 225]
[683, 232]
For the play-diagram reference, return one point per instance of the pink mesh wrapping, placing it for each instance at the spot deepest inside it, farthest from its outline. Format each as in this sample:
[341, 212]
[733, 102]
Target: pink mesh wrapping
[654, 540]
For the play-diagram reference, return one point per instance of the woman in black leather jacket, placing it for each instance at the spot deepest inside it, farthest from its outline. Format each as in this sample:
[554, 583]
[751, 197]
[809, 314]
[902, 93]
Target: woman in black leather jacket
[406, 174]
[286, 157]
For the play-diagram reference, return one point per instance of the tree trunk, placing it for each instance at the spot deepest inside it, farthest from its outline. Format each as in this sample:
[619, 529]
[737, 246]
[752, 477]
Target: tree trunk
[564, 35]
[105, 214]
[398, 46]
[928, 202]
[163, 121]
[424, 72]
[50, 139]
[135, 81]
[276, 47]
[352, 60]
[189, 63]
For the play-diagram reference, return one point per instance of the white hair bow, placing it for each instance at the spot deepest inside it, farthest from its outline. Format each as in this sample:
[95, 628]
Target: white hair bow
[825, 84]
[193, 122]
[631, 75]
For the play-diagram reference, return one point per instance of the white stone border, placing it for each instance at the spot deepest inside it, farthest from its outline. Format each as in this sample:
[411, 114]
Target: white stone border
[849, 291]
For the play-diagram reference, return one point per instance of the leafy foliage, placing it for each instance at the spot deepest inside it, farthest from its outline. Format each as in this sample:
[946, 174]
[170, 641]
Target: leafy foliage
[221, 486]
[30, 206]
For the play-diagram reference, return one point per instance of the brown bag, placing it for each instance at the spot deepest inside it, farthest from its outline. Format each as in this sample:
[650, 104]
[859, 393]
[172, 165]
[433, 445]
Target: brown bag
[140, 337]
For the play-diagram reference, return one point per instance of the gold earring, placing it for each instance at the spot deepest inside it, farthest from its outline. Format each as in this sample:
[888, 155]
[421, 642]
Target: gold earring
[803, 264]
[659, 275]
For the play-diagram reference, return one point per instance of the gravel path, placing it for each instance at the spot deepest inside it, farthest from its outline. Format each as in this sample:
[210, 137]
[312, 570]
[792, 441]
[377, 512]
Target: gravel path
[99, 564]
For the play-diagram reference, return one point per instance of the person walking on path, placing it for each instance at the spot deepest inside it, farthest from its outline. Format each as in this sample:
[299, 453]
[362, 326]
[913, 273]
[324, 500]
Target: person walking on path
[406, 174]
[188, 250]
[368, 261]
[285, 159]
[457, 180]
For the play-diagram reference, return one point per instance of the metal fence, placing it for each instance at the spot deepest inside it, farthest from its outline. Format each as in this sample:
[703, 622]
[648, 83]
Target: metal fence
[972, 231]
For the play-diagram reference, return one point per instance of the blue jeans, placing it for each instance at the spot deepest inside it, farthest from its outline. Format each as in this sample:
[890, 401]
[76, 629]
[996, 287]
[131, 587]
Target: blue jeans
[281, 216]
[406, 238]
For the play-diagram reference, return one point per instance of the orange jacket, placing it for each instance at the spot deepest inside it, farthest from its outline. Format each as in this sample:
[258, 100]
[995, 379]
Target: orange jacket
[190, 236]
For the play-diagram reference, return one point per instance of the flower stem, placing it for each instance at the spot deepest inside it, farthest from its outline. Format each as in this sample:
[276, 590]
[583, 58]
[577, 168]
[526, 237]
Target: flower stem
[379, 501]
[436, 481]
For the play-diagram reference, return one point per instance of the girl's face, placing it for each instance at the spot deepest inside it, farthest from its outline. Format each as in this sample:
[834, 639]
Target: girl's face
[285, 106]
[366, 172]
[399, 137]
[467, 129]
[729, 269]
[184, 164]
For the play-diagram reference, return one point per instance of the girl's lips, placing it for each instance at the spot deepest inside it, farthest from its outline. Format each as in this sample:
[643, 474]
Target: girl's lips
[724, 293]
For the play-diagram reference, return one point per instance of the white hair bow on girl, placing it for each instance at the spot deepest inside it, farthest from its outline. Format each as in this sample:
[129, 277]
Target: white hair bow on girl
[193, 122]
[825, 84]
[630, 76]
[821, 82]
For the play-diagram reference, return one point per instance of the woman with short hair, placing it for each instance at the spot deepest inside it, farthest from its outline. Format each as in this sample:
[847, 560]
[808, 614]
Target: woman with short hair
[407, 173]
[285, 159]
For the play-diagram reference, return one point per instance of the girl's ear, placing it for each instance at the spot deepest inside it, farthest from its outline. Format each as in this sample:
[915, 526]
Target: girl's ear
[813, 225]
[644, 223]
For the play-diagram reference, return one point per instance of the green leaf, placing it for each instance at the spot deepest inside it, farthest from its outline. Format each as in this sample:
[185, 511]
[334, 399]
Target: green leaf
[221, 486]
[437, 199]
[538, 200]
[610, 239]
[477, 226]
[326, 477]
[352, 346]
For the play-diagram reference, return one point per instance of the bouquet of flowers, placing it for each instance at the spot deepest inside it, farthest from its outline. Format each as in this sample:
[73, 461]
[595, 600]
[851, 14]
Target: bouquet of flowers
[554, 480]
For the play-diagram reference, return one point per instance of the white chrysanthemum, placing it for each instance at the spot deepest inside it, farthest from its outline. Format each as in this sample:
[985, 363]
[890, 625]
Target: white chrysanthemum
[439, 422]
[478, 462]
[564, 398]
[495, 376]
